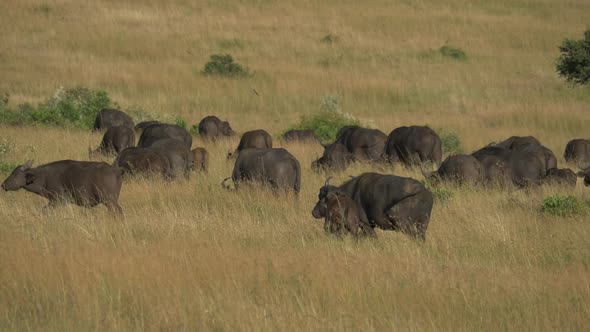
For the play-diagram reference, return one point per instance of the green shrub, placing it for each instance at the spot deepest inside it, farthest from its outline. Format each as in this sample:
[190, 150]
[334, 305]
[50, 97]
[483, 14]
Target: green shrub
[453, 52]
[451, 143]
[564, 206]
[194, 130]
[72, 107]
[574, 62]
[224, 65]
[327, 122]
[442, 194]
[7, 167]
[180, 121]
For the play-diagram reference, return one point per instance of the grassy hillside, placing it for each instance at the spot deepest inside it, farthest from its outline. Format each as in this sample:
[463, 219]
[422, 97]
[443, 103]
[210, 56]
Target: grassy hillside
[192, 256]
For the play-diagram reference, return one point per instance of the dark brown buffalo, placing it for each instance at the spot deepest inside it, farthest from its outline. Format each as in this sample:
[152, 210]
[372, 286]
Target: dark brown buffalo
[561, 176]
[386, 201]
[577, 150]
[584, 172]
[115, 140]
[142, 125]
[413, 146]
[254, 139]
[518, 142]
[459, 168]
[211, 128]
[180, 158]
[336, 157]
[156, 132]
[343, 214]
[83, 183]
[107, 118]
[505, 167]
[146, 161]
[363, 143]
[276, 167]
[300, 136]
[200, 159]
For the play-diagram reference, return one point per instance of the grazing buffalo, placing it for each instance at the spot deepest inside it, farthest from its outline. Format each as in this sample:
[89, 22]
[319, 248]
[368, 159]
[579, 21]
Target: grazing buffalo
[336, 157]
[561, 176]
[156, 132]
[142, 125]
[255, 139]
[387, 201]
[146, 161]
[504, 166]
[577, 150]
[83, 183]
[300, 136]
[459, 168]
[363, 143]
[200, 159]
[518, 142]
[211, 128]
[584, 172]
[107, 118]
[180, 158]
[277, 167]
[115, 140]
[413, 146]
[343, 214]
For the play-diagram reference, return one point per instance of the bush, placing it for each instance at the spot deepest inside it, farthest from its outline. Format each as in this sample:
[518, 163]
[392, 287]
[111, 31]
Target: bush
[451, 143]
[180, 121]
[194, 130]
[7, 167]
[564, 206]
[328, 121]
[441, 194]
[574, 62]
[73, 107]
[224, 65]
[453, 52]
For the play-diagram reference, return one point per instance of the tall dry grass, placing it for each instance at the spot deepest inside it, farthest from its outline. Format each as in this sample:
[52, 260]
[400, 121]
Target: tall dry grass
[191, 256]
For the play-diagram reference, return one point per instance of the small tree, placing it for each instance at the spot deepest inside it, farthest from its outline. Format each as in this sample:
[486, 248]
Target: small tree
[574, 62]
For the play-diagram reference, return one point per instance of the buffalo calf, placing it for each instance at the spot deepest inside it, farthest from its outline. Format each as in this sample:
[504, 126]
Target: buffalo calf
[200, 159]
[343, 214]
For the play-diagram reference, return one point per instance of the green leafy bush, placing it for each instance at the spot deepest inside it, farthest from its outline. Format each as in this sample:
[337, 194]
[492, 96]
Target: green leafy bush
[574, 61]
[180, 121]
[451, 143]
[68, 107]
[564, 206]
[442, 194]
[453, 52]
[7, 167]
[327, 122]
[224, 65]
[194, 130]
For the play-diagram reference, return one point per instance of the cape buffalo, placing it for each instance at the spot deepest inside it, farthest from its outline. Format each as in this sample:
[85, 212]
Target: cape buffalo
[142, 125]
[517, 142]
[413, 145]
[180, 158]
[110, 118]
[460, 168]
[211, 128]
[563, 176]
[343, 214]
[83, 183]
[336, 157]
[504, 166]
[254, 139]
[300, 136]
[160, 131]
[200, 159]
[584, 172]
[115, 139]
[363, 143]
[577, 150]
[387, 201]
[277, 167]
[144, 160]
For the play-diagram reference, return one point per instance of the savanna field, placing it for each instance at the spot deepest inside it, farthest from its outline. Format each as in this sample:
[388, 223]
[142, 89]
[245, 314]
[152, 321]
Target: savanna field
[190, 255]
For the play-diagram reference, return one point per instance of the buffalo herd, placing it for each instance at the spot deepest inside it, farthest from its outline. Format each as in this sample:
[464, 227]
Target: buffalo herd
[357, 206]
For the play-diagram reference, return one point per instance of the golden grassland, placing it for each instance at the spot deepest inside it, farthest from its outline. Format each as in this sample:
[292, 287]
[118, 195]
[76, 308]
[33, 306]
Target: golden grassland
[191, 256]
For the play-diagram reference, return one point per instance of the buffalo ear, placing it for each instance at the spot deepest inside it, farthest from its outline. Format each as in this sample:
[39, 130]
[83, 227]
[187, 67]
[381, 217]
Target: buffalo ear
[29, 178]
[26, 165]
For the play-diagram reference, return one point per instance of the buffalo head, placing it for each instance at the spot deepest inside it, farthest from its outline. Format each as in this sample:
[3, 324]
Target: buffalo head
[19, 177]
[584, 171]
[226, 129]
[336, 156]
[319, 211]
